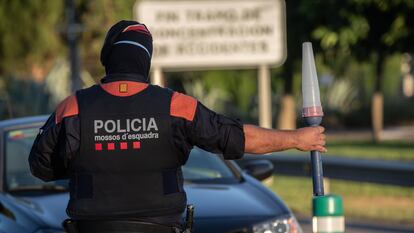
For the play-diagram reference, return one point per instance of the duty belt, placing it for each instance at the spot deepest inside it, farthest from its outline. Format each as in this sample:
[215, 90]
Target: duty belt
[72, 226]
[89, 226]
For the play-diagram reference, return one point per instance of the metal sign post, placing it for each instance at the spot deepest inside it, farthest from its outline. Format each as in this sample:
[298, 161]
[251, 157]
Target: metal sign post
[265, 98]
[157, 77]
[327, 209]
[73, 31]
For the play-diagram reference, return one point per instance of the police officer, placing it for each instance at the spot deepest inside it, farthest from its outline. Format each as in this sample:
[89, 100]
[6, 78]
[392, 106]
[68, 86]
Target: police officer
[122, 143]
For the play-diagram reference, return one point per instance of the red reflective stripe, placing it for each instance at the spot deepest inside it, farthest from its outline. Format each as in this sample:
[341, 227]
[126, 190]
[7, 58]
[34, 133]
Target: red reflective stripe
[124, 145]
[137, 28]
[111, 146]
[183, 106]
[68, 107]
[98, 146]
[118, 88]
[136, 145]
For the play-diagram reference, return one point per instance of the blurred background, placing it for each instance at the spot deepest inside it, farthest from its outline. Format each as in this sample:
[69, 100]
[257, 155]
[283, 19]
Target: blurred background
[364, 55]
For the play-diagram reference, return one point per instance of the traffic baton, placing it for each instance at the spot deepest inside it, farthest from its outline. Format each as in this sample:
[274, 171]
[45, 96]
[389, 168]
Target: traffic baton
[328, 214]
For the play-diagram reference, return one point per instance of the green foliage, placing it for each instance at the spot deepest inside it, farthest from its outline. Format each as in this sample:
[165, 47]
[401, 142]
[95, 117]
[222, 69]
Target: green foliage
[359, 41]
[28, 33]
[368, 25]
[347, 37]
[22, 98]
[368, 30]
[399, 111]
[240, 85]
[32, 32]
[97, 16]
[230, 92]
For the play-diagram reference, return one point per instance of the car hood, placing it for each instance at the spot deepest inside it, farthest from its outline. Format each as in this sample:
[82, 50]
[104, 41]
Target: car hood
[49, 210]
[248, 201]
[233, 208]
[235, 200]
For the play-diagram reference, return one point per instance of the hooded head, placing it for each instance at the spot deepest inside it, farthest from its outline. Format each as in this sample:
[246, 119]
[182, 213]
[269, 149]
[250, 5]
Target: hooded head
[127, 49]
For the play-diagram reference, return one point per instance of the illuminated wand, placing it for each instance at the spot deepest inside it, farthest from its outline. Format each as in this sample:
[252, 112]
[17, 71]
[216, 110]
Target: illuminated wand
[327, 209]
[312, 111]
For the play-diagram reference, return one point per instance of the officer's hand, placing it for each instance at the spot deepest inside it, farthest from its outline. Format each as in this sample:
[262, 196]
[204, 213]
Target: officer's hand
[311, 138]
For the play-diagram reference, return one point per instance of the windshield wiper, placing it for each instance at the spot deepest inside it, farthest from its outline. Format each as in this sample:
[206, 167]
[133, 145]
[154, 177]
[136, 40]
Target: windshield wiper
[43, 187]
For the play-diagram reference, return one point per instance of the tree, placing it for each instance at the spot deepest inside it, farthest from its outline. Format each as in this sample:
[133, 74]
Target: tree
[28, 34]
[371, 30]
[303, 18]
[97, 16]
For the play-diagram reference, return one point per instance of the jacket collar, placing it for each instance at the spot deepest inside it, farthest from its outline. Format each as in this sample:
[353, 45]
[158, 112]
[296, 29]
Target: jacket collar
[124, 77]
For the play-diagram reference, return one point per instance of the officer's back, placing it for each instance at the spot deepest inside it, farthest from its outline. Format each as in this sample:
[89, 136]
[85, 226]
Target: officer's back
[122, 143]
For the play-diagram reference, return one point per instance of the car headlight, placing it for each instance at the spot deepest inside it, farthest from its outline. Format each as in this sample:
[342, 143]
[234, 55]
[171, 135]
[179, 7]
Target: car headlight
[285, 224]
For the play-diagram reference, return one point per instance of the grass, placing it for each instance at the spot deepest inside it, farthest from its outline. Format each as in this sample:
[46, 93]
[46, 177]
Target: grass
[386, 203]
[361, 200]
[388, 150]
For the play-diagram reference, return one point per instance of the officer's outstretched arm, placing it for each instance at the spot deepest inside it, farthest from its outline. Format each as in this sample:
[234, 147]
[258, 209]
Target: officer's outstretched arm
[260, 140]
[43, 153]
[51, 150]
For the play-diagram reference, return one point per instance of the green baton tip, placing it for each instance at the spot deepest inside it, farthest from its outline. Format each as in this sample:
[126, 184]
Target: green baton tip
[328, 205]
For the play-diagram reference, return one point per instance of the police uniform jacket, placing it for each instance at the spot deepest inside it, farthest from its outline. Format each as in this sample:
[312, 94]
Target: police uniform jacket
[122, 144]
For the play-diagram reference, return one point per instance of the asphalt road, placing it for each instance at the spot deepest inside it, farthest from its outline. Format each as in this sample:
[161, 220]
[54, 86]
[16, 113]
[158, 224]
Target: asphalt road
[361, 227]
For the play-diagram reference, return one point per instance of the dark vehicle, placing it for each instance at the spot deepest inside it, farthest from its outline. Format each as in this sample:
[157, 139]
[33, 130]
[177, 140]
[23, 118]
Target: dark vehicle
[226, 198]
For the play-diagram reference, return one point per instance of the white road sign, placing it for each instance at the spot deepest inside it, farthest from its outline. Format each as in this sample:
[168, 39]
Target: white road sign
[215, 33]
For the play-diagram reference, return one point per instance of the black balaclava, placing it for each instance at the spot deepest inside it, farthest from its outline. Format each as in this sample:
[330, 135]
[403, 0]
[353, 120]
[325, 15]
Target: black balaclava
[127, 50]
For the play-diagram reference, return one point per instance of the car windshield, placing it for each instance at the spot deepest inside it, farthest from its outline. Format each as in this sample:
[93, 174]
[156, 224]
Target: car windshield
[18, 176]
[201, 166]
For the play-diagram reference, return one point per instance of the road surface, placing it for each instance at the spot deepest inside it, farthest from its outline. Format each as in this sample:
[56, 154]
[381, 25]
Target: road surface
[361, 227]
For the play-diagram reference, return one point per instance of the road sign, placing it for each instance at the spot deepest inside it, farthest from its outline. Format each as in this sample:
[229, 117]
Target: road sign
[215, 34]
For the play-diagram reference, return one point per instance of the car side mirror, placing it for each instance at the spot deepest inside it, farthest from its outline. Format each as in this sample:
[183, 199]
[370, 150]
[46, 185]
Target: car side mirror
[259, 168]
[6, 212]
